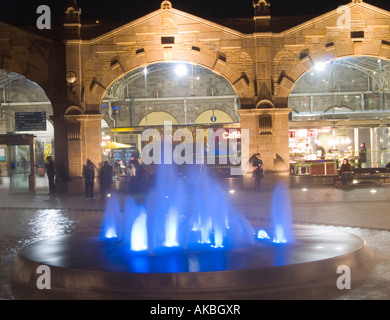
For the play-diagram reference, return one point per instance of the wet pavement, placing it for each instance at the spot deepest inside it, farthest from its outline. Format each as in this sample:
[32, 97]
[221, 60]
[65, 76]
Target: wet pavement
[25, 219]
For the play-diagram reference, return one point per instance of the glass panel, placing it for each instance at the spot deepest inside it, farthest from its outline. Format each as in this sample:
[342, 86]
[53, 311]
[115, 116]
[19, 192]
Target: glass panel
[19, 168]
[380, 140]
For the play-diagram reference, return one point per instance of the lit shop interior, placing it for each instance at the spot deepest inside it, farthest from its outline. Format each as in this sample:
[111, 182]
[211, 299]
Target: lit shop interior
[336, 106]
[188, 96]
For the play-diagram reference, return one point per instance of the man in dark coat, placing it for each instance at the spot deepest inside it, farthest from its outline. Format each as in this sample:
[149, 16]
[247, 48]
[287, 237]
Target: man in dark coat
[51, 172]
[105, 177]
[63, 176]
[89, 179]
[362, 155]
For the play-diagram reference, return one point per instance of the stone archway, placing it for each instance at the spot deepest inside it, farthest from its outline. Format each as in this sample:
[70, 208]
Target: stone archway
[239, 82]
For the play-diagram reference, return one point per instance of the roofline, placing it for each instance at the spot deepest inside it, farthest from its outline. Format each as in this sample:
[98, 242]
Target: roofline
[159, 12]
[28, 33]
[330, 14]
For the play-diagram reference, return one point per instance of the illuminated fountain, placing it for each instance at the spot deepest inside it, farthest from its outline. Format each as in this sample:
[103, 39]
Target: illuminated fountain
[175, 218]
[187, 241]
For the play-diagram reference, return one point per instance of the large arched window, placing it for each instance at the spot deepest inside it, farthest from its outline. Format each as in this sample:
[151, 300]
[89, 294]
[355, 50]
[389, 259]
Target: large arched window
[353, 87]
[180, 89]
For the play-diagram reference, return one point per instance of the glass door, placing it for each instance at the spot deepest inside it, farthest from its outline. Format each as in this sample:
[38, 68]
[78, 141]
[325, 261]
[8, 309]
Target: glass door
[19, 162]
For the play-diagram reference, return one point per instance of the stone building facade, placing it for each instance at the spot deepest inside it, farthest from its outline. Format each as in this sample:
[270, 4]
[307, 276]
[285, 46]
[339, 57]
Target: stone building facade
[262, 60]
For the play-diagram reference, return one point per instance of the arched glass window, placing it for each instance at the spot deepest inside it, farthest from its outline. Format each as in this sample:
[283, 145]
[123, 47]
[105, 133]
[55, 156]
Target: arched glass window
[180, 89]
[353, 87]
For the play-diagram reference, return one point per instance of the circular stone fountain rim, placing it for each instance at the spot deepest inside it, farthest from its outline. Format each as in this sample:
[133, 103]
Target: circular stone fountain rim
[256, 282]
[30, 254]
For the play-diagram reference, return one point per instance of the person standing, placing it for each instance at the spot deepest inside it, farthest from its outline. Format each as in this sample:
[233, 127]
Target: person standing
[118, 168]
[63, 176]
[51, 172]
[105, 177]
[133, 166]
[362, 155]
[89, 179]
[258, 170]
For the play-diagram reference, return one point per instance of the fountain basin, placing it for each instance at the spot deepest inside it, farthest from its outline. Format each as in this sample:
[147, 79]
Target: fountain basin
[89, 267]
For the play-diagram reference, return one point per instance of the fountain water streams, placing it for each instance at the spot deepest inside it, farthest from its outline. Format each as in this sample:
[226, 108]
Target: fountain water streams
[199, 217]
[282, 222]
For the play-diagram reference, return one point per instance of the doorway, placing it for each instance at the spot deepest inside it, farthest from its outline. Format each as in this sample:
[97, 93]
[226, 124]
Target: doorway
[17, 162]
[19, 168]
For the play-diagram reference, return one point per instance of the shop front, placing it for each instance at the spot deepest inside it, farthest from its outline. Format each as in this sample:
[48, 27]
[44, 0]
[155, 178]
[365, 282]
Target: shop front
[320, 150]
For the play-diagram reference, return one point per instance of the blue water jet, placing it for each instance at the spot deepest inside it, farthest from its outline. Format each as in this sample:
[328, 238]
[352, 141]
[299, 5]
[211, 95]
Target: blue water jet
[135, 235]
[262, 234]
[281, 215]
[112, 221]
[192, 216]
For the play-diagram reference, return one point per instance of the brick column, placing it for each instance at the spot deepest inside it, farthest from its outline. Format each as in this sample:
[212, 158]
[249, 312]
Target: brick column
[268, 132]
[83, 141]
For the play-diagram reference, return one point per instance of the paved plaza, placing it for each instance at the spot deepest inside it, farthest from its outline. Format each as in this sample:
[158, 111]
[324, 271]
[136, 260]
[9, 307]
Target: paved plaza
[25, 219]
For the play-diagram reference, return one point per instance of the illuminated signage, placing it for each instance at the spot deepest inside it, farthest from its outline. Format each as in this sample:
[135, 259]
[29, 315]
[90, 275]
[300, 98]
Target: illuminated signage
[232, 135]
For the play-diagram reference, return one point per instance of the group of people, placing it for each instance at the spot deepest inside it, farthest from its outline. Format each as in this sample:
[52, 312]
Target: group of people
[107, 171]
[105, 177]
[133, 167]
[61, 174]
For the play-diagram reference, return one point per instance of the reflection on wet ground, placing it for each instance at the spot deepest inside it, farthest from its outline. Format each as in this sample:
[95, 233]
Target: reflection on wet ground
[22, 227]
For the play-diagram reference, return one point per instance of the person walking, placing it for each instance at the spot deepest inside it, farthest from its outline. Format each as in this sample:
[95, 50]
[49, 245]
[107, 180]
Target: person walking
[63, 176]
[105, 177]
[89, 179]
[362, 156]
[51, 172]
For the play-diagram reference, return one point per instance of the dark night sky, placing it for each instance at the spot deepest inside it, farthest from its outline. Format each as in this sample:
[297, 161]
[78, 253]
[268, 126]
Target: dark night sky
[24, 11]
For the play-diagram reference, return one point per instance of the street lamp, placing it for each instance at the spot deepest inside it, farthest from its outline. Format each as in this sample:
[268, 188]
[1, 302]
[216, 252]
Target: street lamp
[71, 78]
